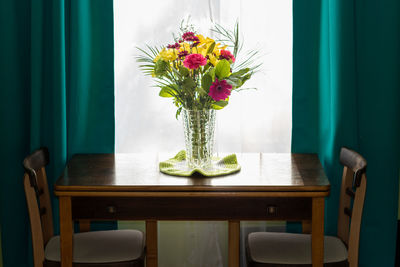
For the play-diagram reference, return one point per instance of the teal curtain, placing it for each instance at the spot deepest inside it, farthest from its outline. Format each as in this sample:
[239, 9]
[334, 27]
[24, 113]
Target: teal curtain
[57, 90]
[346, 92]
[1, 256]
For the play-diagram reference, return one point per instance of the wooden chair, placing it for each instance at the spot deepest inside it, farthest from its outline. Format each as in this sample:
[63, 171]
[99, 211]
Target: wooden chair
[117, 248]
[289, 250]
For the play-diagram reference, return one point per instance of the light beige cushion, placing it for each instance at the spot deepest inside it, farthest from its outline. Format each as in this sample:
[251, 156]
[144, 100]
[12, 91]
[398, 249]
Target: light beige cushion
[286, 248]
[100, 246]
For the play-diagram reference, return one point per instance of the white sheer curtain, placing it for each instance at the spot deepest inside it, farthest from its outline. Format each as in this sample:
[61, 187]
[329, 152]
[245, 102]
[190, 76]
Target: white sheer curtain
[254, 121]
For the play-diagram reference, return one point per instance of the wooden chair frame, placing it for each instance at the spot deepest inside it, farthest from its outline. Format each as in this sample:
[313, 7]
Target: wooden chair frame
[351, 203]
[352, 192]
[41, 215]
[38, 202]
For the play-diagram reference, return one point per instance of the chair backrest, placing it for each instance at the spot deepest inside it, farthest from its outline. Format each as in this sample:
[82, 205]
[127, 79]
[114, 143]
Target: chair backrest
[352, 195]
[38, 202]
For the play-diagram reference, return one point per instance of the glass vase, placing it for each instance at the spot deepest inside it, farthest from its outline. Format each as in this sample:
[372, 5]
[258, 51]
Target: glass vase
[198, 128]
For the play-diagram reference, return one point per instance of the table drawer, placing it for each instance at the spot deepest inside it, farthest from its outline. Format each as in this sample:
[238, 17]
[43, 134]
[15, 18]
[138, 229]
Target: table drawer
[191, 208]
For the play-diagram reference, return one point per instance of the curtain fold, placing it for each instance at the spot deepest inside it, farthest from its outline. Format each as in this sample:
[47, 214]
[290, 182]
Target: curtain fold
[346, 92]
[57, 76]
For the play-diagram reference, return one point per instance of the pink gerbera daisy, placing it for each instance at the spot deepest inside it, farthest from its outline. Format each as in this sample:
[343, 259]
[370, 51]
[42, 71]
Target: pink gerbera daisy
[220, 90]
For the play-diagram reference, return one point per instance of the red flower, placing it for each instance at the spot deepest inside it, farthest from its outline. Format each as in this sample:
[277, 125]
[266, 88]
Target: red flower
[193, 61]
[176, 46]
[196, 43]
[183, 54]
[225, 54]
[220, 90]
[190, 37]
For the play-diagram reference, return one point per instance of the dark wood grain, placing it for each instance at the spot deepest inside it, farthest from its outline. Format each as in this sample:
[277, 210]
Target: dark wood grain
[130, 186]
[140, 172]
[151, 243]
[233, 240]
[191, 208]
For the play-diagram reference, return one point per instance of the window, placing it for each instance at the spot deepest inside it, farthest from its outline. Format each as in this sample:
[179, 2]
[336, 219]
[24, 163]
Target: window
[254, 121]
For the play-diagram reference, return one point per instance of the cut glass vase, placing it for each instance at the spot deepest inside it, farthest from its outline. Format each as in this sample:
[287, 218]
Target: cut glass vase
[198, 128]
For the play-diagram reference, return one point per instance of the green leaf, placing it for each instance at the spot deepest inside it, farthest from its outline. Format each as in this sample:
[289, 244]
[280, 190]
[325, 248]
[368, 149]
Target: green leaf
[167, 92]
[206, 82]
[178, 112]
[219, 105]
[246, 77]
[183, 71]
[202, 91]
[161, 67]
[241, 72]
[223, 69]
[206, 67]
[236, 82]
[188, 83]
[211, 72]
[211, 48]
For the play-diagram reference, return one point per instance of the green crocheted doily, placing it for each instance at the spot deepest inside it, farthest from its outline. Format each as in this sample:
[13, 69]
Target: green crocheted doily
[220, 166]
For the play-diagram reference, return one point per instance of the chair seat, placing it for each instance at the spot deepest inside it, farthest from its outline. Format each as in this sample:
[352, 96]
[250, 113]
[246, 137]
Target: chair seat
[291, 249]
[100, 247]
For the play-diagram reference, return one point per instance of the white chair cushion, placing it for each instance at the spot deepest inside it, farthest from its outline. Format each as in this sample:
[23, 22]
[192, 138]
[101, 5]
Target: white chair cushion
[100, 246]
[286, 248]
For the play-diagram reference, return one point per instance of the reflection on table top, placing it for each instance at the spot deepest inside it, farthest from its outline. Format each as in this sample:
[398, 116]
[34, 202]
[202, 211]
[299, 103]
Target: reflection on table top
[140, 172]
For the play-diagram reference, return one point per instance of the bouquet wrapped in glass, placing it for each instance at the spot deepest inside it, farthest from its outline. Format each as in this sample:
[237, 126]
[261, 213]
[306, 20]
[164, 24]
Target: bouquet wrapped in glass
[199, 74]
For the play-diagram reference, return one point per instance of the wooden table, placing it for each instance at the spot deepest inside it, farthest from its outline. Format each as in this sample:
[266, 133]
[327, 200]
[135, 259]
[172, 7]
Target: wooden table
[130, 187]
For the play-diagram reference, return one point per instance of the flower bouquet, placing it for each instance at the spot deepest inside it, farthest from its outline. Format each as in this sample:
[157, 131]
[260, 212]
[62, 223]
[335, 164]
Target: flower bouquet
[199, 73]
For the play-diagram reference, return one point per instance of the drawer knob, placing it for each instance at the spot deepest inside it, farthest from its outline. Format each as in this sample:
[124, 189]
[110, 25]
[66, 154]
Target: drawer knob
[272, 210]
[111, 209]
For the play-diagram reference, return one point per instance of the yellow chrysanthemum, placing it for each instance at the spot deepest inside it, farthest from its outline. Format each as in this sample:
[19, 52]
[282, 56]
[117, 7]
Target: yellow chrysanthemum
[166, 55]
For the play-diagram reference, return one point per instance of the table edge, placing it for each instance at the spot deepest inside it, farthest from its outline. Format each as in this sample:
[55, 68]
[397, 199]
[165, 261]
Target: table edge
[191, 188]
[191, 194]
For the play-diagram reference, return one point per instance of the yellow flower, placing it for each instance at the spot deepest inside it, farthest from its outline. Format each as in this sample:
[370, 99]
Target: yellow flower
[185, 47]
[166, 55]
[200, 50]
[217, 49]
[213, 59]
[208, 41]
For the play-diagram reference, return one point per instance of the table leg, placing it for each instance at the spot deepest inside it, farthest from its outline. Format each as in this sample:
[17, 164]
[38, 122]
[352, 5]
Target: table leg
[151, 243]
[66, 231]
[317, 232]
[234, 240]
[84, 226]
[306, 226]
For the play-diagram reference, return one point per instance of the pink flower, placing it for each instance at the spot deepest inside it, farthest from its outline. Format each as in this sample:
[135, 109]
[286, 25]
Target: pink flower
[195, 44]
[183, 54]
[176, 46]
[190, 37]
[225, 54]
[220, 90]
[193, 61]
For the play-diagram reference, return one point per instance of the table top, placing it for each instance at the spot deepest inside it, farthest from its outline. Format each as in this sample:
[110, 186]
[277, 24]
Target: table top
[138, 172]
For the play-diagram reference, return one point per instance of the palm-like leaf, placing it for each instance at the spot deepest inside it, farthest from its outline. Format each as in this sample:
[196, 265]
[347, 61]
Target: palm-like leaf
[233, 40]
